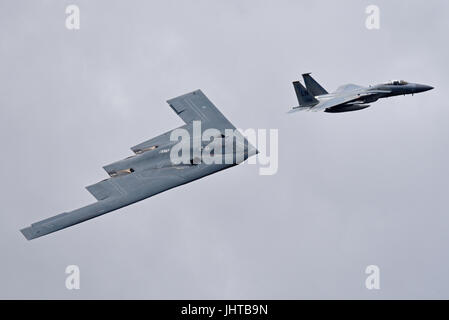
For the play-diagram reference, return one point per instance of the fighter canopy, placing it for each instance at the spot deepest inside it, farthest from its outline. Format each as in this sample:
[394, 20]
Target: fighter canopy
[397, 82]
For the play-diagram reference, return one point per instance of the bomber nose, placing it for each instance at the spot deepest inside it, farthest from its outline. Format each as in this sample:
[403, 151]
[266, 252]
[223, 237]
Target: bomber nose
[422, 88]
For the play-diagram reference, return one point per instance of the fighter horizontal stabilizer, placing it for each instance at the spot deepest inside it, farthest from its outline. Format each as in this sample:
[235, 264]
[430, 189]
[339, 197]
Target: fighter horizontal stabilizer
[296, 109]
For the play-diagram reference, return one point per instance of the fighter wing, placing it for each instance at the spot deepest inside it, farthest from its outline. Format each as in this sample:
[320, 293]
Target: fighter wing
[338, 101]
[112, 194]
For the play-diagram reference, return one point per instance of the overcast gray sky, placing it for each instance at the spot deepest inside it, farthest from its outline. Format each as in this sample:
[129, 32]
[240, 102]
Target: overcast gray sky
[353, 189]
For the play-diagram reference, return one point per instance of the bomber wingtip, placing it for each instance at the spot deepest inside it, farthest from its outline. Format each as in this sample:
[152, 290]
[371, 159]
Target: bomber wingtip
[29, 233]
[26, 233]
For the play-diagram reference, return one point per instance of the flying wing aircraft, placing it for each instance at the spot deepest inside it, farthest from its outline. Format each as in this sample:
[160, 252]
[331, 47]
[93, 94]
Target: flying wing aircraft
[349, 97]
[151, 170]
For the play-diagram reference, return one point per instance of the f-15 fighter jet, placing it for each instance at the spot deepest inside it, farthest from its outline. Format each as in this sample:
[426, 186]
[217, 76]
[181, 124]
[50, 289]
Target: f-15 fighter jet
[151, 169]
[349, 97]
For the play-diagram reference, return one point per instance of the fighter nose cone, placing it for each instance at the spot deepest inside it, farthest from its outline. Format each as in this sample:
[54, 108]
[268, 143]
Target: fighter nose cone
[423, 87]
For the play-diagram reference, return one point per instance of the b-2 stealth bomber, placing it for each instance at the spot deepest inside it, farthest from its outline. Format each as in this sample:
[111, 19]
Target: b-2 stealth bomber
[151, 170]
[349, 97]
